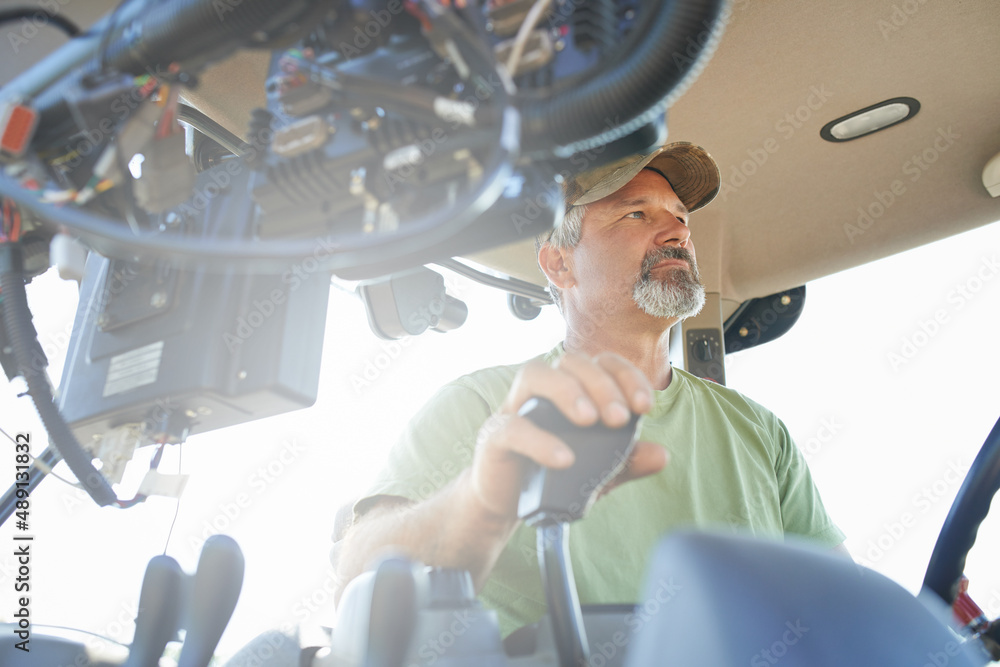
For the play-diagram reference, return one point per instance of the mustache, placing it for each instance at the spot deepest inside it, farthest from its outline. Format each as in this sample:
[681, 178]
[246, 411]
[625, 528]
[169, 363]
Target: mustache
[666, 252]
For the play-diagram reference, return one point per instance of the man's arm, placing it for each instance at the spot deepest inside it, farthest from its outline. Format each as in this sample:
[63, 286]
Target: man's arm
[468, 522]
[449, 529]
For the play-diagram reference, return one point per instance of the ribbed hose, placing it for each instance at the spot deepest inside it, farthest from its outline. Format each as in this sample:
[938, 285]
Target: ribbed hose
[185, 30]
[643, 83]
[17, 319]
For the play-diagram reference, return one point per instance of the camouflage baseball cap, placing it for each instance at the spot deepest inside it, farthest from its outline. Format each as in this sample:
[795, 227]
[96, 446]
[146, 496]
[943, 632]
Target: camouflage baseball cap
[689, 169]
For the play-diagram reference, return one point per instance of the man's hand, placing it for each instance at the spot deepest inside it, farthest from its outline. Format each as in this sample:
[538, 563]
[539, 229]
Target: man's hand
[605, 387]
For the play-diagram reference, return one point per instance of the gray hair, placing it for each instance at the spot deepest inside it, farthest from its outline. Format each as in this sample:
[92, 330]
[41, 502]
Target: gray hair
[565, 235]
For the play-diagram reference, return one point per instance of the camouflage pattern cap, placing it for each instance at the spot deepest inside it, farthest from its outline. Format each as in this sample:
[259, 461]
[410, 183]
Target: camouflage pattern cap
[689, 169]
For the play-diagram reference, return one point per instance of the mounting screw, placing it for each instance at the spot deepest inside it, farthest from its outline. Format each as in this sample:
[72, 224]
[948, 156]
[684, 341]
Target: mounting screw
[785, 300]
[744, 332]
[158, 300]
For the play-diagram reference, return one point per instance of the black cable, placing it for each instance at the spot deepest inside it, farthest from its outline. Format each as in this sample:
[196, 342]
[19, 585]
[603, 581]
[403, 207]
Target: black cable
[109, 29]
[20, 334]
[55, 20]
[177, 507]
[508, 284]
[473, 15]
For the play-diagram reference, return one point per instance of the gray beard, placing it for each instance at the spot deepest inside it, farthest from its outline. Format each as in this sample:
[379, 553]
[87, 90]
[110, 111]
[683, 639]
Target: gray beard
[680, 295]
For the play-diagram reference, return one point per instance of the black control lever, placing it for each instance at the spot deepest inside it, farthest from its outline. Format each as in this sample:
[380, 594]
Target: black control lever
[559, 496]
[550, 499]
[159, 612]
[215, 588]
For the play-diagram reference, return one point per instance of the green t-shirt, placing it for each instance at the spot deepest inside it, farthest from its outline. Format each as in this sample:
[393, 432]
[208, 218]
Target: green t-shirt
[732, 465]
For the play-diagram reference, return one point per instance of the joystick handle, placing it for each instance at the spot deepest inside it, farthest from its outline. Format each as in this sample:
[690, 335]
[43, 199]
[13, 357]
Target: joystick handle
[551, 496]
[215, 589]
[159, 611]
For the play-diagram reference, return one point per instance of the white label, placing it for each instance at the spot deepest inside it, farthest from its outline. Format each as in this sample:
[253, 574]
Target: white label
[133, 369]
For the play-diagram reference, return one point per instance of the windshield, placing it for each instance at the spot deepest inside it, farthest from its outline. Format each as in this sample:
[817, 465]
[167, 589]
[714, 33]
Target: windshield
[887, 383]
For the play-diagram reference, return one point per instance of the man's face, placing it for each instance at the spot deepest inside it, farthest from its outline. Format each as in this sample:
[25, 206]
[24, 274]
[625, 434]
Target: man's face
[636, 242]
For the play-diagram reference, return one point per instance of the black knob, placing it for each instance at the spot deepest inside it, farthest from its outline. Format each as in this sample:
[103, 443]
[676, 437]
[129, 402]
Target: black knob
[558, 496]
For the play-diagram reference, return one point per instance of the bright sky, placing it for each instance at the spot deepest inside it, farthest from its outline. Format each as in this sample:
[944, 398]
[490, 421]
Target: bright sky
[882, 435]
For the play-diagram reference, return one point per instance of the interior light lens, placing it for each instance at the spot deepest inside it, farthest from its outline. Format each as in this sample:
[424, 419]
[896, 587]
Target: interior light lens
[870, 119]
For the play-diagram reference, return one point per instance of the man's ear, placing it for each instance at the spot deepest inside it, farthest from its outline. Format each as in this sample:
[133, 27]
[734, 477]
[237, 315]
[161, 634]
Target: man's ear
[555, 264]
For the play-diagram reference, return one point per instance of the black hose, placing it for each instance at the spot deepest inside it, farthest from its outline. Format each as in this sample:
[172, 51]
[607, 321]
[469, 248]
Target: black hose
[645, 81]
[17, 319]
[186, 31]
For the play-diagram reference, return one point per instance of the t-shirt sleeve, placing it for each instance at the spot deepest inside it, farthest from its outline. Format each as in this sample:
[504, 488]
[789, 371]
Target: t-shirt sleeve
[802, 510]
[435, 447]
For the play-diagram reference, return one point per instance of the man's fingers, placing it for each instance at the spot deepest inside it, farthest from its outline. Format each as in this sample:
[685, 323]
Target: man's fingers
[633, 385]
[585, 389]
[518, 435]
[600, 386]
[562, 388]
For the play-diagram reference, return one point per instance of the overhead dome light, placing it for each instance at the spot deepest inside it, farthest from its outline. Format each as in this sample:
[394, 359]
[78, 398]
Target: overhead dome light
[870, 119]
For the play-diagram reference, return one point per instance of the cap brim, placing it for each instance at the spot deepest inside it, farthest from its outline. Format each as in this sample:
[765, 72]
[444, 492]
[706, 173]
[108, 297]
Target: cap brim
[689, 169]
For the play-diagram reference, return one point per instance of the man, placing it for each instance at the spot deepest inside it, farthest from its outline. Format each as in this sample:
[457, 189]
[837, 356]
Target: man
[622, 269]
